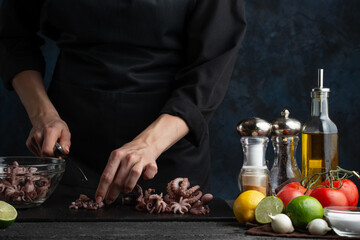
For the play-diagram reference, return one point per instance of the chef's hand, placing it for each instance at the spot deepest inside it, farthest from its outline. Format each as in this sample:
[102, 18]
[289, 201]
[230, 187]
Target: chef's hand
[124, 168]
[138, 157]
[47, 124]
[46, 131]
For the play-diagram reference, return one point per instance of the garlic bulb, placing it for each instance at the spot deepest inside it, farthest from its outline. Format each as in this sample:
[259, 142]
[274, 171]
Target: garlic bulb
[281, 223]
[318, 227]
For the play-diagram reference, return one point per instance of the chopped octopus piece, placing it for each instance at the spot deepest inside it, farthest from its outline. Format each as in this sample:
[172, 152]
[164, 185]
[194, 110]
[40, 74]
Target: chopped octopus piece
[85, 202]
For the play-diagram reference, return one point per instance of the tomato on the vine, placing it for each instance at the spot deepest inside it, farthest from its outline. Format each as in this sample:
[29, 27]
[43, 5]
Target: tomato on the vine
[288, 194]
[291, 191]
[297, 186]
[348, 188]
[329, 197]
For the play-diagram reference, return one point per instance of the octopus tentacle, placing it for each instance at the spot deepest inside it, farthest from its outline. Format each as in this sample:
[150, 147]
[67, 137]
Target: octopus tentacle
[195, 197]
[201, 210]
[155, 196]
[184, 185]
[148, 193]
[168, 199]
[149, 207]
[190, 191]
[168, 189]
[175, 184]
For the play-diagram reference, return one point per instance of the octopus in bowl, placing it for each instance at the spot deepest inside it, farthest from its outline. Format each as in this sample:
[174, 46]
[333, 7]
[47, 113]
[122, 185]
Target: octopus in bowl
[27, 182]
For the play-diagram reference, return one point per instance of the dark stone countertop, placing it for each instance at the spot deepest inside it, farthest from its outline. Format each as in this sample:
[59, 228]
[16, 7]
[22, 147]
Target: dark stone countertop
[53, 220]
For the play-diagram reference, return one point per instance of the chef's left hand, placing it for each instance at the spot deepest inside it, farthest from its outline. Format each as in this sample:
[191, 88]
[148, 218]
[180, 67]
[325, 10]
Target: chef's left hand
[124, 168]
[138, 157]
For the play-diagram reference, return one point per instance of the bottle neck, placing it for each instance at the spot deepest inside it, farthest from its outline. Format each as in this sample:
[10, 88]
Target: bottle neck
[319, 104]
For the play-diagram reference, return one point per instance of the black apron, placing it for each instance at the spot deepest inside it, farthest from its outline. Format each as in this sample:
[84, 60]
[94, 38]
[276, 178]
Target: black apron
[113, 76]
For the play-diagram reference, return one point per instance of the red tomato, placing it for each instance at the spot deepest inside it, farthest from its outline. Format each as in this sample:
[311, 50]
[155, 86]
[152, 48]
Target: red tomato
[287, 194]
[329, 197]
[297, 186]
[349, 189]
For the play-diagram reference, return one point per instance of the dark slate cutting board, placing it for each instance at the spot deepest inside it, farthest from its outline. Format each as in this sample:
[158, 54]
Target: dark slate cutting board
[56, 209]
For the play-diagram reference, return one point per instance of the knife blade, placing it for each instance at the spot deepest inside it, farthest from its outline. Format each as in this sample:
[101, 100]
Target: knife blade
[59, 152]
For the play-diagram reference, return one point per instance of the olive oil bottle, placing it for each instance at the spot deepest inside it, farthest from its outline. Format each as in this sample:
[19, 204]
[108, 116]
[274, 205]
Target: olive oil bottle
[319, 135]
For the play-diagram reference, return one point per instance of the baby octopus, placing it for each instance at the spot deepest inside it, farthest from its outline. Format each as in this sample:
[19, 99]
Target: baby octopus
[151, 202]
[23, 184]
[181, 207]
[179, 199]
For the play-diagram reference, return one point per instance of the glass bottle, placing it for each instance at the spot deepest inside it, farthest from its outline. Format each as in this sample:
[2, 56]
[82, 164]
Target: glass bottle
[319, 135]
[254, 174]
[285, 141]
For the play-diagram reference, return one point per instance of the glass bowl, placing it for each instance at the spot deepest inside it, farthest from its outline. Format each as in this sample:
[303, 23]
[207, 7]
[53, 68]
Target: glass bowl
[345, 221]
[28, 181]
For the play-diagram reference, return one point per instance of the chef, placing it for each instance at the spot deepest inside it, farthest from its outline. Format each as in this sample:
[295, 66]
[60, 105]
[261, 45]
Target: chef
[135, 85]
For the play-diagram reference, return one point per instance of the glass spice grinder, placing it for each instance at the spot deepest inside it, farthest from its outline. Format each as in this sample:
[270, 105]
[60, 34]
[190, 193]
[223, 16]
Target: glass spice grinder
[254, 174]
[285, 141]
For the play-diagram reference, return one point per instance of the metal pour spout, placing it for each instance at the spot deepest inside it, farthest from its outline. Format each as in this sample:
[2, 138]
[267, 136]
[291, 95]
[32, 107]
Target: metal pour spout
[320, 78]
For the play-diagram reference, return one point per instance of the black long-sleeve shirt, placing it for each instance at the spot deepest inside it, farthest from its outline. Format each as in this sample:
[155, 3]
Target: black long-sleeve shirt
[213, 32]
[185, 48]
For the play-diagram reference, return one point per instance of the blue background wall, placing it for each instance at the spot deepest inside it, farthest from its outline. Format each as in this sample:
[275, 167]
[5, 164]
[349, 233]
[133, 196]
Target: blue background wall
[286, 42]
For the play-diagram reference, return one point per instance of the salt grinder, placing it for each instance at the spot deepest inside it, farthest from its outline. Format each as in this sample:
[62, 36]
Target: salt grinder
[285, 140]
[254, 174]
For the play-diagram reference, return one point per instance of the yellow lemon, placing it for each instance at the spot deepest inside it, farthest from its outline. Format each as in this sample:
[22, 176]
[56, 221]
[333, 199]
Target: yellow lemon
[245, 204]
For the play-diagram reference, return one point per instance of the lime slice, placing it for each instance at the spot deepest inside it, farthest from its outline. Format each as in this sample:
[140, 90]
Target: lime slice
[268, 206]
[8, 214]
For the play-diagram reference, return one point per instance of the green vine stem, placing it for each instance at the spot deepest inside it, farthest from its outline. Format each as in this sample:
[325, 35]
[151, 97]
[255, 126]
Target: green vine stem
[332, 175]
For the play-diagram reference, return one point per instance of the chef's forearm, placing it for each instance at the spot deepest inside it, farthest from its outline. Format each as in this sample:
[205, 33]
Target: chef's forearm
[164, 132]
[31, 91]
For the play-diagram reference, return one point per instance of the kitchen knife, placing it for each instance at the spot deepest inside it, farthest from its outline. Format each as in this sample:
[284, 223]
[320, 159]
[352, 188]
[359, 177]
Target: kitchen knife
[59, 152]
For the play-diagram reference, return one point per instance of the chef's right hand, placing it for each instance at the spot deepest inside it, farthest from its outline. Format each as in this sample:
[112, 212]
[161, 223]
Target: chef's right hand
[46, 131]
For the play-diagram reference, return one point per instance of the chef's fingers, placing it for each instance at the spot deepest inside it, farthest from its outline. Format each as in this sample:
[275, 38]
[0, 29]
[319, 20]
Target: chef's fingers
[32, 146]
[29, 145]
[33, 142]
[117, 185]
[132, 170]
[150, 171]
[51, 135]
[37, 145]
[108, 174]
[64, 140]
[133, 177]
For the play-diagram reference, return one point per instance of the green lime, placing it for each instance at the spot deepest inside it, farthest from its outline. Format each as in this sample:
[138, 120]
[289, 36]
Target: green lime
[304, 209]
[268, 206]
[8, 214]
